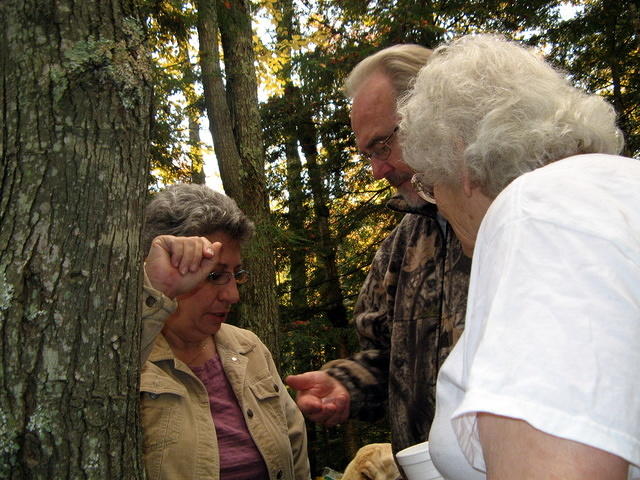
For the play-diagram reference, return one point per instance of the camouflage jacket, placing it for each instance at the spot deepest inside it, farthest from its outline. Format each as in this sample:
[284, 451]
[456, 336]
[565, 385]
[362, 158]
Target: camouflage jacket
[409, 314]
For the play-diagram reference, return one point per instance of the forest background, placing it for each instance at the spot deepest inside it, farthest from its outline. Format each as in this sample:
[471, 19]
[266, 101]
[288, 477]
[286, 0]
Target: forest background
[104, 102]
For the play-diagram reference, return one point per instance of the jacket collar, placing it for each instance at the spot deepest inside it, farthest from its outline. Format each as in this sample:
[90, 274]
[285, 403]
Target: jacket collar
[399, 204]
[161, 350]
[234, 339]
[228, 338]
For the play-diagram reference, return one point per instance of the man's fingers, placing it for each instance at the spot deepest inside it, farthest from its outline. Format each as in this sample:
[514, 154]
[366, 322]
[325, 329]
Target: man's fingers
[335, 418]
[311, 406]
[303, 381]
[318, 381]
[328, 411]
[321, 414]
[336, 409]
[311, 411]
[171, 246]
[308, 402]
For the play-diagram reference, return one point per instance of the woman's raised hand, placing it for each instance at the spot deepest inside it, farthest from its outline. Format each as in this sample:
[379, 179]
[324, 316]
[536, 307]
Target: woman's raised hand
[176, 265]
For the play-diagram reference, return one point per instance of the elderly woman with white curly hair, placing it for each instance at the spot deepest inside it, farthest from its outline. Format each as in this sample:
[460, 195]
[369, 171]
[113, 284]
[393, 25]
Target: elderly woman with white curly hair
[545, 381]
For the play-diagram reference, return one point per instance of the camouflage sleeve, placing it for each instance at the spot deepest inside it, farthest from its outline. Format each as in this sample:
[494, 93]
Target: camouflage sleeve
[365, 374]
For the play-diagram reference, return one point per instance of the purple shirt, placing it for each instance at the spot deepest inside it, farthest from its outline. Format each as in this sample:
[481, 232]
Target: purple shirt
[239, 456]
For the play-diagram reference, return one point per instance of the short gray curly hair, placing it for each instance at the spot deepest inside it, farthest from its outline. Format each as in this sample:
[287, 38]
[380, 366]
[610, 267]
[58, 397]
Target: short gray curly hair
[503, 110]
[186, 210]
[401, 63]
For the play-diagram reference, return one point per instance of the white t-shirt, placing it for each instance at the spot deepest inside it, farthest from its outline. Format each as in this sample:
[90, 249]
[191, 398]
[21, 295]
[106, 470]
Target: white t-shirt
[552, 333]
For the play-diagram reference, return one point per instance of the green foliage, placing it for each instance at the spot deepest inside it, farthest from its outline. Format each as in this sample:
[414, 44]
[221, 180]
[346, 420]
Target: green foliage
[600, 48]
[175, 155]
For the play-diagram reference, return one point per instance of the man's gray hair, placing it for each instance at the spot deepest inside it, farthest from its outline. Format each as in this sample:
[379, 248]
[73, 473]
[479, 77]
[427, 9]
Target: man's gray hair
[502, 110]
[401, 63]
[186, 210]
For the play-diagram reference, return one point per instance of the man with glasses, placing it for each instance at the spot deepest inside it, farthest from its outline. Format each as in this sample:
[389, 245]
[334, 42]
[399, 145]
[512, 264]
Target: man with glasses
[411, 308]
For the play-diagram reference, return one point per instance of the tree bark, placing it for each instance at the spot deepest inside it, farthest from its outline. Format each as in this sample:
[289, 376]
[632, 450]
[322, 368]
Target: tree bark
[229, 162]
[237, 135]
[75, 102]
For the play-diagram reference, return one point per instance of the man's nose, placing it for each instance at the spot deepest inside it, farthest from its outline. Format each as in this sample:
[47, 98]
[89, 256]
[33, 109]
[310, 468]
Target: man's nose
[379, 169]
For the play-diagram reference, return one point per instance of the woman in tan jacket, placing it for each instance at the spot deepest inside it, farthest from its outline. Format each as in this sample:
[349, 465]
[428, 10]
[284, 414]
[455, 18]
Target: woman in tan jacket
[212, 403]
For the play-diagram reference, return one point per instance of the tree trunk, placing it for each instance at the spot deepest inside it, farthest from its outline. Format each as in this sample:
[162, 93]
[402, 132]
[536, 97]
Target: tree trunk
[296, 212]
[195, 152]
[330, 287]
[296, 217]
[193, 114]
[237, 137]
[75, 102]
[224, 145]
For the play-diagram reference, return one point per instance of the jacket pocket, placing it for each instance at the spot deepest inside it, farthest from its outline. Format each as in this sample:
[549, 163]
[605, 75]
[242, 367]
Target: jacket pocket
[265, 388]
[161, 410]
[266, 393]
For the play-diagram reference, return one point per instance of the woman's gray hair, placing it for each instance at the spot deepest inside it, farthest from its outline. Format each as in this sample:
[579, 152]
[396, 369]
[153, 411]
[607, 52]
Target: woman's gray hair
[186, 210]
[502, 110]
[401, 63]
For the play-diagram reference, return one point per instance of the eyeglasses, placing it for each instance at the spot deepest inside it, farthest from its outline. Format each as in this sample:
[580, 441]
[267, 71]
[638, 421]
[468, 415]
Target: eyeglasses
[222, 278]
[380, 150]
[424, 191]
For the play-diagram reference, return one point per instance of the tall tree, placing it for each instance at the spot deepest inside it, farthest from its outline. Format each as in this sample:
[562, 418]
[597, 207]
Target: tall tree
[295, 206]
[193, 112]
[75, 103]
[234, 120]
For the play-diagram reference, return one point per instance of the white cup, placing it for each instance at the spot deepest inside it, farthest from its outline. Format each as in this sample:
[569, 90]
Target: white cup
[416, 463]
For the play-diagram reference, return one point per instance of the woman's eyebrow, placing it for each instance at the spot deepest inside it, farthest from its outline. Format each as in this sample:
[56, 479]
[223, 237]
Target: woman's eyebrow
[224, 266]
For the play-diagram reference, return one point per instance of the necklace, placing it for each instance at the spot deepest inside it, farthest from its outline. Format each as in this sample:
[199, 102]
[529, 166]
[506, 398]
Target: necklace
[199, 350]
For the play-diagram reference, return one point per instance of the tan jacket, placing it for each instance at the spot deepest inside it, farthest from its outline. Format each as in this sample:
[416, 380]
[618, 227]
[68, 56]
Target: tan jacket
[179, 433]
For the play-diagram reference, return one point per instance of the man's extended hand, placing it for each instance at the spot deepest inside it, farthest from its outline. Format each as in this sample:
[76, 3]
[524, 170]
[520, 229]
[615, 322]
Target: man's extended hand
[321, 398]
[176, 265]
